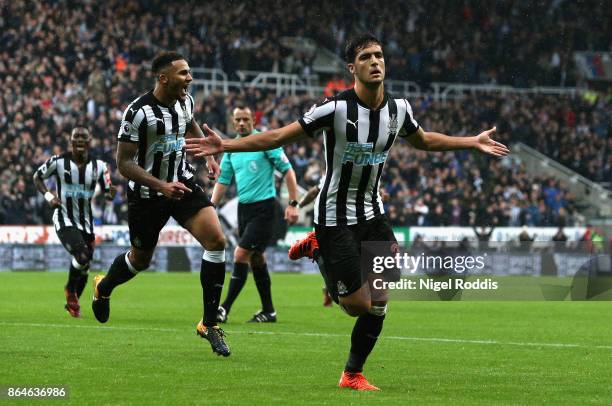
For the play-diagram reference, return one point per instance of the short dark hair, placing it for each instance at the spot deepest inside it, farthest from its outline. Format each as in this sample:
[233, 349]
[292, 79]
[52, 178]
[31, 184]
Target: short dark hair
[79, 129]
[242, 107]
[355, 44]
[164, 59]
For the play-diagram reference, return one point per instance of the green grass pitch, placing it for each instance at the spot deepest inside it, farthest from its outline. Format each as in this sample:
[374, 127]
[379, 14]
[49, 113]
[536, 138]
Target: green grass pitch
[429, 352]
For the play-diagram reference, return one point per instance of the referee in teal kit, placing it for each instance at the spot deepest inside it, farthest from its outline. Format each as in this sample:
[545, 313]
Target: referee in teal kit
[254, 172]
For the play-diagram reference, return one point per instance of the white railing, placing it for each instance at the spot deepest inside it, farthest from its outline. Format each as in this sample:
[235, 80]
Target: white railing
[209, 80]
[445, 91]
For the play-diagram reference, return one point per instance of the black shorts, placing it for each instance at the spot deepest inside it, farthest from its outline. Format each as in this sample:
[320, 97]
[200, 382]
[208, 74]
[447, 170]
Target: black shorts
[256, 224]
[76, 242]
[146, 217]
[340, 248]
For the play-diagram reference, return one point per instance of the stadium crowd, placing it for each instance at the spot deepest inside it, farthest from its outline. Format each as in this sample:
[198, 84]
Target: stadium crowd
[96, 67]
[470, 41]
[442, 189]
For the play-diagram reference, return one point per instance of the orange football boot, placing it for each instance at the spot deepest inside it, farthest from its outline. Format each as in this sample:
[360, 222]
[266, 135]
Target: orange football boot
[355, 380]
[305, 247]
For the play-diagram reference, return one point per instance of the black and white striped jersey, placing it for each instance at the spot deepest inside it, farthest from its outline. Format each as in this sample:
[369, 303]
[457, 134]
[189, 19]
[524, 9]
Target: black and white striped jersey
[357, 140]
[75, 188]
[160, 133]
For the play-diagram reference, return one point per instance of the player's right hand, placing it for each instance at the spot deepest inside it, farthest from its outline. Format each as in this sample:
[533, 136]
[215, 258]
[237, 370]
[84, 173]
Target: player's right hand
[174, 190]
[209, 145]
[55, 203]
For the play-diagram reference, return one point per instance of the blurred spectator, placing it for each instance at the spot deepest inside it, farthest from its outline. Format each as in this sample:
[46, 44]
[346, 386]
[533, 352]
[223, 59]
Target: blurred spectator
[560, 236]
[335, 85]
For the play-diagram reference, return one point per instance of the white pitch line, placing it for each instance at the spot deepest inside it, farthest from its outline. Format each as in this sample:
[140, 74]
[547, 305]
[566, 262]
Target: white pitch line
[289, 333]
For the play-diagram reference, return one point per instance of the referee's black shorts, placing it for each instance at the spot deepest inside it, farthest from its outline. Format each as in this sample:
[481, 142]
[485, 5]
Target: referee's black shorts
[256, 224]
[146, 217]
[78, 243]
[340, 248]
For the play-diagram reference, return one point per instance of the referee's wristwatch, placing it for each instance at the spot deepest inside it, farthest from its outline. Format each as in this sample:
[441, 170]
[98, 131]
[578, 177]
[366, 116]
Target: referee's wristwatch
[293, 203]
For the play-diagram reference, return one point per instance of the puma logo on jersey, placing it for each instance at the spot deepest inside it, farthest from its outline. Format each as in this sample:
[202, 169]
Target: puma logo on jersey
[353, 123]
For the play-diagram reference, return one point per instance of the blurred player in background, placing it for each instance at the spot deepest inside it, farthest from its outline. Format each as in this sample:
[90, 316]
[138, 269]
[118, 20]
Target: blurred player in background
[254, 173]
[76, 175]
[360, 126]
[151, 155]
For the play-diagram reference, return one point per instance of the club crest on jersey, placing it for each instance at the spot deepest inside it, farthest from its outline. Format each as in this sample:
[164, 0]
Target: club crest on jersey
[392, 126]
[362, 154]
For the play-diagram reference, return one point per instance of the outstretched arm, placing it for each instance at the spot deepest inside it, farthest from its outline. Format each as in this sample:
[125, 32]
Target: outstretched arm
[432, 141]
[213, 144]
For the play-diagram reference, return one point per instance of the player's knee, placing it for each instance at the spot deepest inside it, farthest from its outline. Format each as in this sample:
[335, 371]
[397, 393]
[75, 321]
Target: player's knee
[81, 256]
[215, 243]
[241, 255]
[257, 261]
[138, 260]
[355, 309]
[81, 262]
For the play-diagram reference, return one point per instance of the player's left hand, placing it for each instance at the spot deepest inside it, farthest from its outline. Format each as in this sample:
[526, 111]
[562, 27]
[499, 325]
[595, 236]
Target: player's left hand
[291, 215]
[211, 144]
[112, 191]
[213, 168]
[486, 145]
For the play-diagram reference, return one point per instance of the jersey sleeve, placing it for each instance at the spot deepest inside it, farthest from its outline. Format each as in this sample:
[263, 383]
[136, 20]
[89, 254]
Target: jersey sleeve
[410, 125]
[320, 117]
[133, 125]
[104, 179]
[227, 170]
[48, 168]
[279, 159]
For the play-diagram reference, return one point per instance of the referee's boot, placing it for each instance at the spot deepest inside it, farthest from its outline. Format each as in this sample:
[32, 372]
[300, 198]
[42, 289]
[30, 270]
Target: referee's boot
[215, 336]
[305, 247]
[263, 317]
[100, 304]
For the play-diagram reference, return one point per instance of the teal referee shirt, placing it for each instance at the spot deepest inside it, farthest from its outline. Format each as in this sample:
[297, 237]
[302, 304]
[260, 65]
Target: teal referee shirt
[254, 172]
